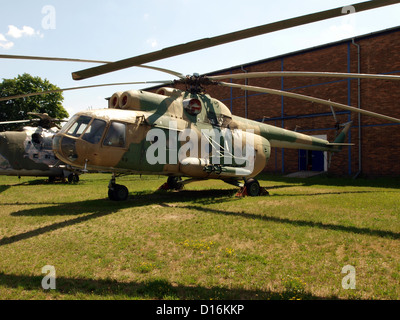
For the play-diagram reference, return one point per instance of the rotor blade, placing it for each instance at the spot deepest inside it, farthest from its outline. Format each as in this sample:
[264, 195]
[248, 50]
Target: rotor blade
[9, 56]
[268, 74]
[308, 98]
[18, 121]
[83, 87]
[226, 38]
[42, 116]
[174, 73]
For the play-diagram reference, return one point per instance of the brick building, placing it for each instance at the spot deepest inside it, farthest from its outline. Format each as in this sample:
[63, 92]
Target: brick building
[377, 142]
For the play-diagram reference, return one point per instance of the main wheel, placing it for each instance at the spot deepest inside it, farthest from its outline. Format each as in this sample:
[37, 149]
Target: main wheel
[118, 193]
[73, 178]
[175, 183]
[253, 187]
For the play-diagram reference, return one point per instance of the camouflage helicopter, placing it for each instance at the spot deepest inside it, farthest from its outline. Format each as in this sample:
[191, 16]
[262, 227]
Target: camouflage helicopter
[188, 133]
[28, 152]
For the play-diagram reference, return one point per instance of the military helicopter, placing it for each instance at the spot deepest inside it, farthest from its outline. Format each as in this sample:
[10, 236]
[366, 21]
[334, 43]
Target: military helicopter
[29, 152]
[188, 133]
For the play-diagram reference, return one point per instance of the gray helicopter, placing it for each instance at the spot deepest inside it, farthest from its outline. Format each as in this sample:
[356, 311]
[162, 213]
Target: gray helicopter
[28, 152]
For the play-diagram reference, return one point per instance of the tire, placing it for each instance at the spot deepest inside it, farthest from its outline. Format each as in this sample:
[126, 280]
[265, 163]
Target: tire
[73, 178]
[111, 194]
[253, 187]
[118, 193]
[175, 183]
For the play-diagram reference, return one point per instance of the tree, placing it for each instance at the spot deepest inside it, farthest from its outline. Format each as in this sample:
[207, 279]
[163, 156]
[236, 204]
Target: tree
[18, 109]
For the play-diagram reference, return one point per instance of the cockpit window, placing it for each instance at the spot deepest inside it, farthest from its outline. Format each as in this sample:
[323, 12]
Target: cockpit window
[116, 135]
[79, 126]
[68, 124]
[95, 131]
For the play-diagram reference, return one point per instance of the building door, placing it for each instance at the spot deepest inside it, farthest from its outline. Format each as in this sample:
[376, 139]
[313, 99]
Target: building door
[303, 160]
[313, 160]
[318, 161]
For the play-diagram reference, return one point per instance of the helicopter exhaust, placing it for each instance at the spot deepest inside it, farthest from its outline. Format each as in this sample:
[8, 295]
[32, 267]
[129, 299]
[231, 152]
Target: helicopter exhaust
[113, 102]
[136, 100]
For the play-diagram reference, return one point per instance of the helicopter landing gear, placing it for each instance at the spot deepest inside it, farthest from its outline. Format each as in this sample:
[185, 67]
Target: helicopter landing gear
[173, 183]
[117, 192]
[251, 188]
[73, 178]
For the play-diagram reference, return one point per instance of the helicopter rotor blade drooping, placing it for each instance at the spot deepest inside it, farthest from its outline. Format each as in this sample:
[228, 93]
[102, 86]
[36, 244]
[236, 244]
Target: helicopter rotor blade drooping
[270, 74]
[223, 39]
[310, 99]
[211, 81]
[25, 95]
[20, 57]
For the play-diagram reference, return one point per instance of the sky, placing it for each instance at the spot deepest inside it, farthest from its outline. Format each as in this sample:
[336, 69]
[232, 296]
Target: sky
[114, 30]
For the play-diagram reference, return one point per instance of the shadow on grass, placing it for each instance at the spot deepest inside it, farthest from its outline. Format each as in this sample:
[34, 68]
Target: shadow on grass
[36, 182]
[4, 188]
[324, 193]
[373, 182]
[302, 223]
[150, 289]
[93, 209]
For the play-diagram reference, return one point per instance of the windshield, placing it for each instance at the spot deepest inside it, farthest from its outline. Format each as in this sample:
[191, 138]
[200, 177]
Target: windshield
[79, 126]
[68, 124]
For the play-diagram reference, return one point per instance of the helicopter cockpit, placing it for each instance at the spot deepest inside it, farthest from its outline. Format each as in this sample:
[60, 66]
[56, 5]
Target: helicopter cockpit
[88, 136]
[87, 129]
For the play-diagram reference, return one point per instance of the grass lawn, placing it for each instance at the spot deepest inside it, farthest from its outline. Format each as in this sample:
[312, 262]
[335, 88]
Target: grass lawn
[202, 242]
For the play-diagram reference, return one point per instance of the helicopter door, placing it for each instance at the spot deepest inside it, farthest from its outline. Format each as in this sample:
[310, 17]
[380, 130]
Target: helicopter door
[114, 145]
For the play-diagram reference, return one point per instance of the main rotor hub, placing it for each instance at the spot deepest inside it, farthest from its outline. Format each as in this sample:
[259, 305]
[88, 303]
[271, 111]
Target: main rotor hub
[195, 83]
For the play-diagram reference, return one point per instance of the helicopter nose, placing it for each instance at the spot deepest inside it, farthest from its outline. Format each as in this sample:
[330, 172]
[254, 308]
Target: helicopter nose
[64, 148]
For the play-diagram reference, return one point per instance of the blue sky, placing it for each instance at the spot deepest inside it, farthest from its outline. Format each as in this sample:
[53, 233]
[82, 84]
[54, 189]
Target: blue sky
[114, 30]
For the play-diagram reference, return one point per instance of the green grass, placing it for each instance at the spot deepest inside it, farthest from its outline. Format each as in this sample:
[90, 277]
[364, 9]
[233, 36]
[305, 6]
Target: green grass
[202, 242]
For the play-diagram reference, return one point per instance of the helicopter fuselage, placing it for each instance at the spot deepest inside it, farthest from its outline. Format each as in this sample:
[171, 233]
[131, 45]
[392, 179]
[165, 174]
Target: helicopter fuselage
[175, 133]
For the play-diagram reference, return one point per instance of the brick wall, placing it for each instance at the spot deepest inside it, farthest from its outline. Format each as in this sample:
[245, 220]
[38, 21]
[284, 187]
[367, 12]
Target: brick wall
[380, 140]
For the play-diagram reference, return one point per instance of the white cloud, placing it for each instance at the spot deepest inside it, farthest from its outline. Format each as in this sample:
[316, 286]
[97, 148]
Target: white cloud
[4, 43]
[152, 42]
[16, 33]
